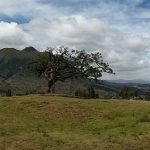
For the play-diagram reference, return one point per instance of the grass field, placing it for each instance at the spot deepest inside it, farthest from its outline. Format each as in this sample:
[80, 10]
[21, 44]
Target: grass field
[61, 123]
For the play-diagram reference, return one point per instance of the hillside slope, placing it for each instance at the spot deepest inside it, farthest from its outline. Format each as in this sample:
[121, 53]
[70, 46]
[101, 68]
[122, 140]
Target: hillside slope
[54, 123]
[13, 61]
[14, 72]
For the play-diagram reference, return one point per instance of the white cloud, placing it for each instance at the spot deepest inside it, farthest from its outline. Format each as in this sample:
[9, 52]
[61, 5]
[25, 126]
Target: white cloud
[109, 27]
[11, 35]
[125, 53]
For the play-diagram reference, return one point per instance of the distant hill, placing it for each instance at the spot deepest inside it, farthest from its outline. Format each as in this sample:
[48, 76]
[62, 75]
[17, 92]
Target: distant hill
[137, 81]
[130, 83]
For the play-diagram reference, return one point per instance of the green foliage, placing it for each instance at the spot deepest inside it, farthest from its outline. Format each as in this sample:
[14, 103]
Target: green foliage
[40, 63]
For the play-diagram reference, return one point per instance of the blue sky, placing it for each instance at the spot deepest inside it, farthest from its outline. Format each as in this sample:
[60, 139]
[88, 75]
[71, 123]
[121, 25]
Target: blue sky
[118, 28]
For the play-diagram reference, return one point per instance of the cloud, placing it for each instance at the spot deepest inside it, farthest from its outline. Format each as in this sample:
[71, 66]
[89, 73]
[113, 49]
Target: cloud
[105, 9]
[119, 29]
[11, 35]
[125, 53]
[29, 8]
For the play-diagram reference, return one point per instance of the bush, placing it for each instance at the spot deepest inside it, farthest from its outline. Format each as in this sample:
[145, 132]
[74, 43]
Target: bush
[89, 93]
[81, 93]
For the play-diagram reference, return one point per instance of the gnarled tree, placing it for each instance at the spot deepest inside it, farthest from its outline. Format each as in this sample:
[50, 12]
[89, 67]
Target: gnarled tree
[59, 64]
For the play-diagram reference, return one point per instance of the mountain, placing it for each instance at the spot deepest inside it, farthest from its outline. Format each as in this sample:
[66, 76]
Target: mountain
[29, 50]
[139, 84]
[14, 72]
[13, 61]
[15, 75]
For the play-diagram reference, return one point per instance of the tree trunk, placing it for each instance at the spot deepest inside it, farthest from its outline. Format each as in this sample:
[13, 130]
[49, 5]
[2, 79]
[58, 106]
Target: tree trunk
[71, 87]
[50, 84]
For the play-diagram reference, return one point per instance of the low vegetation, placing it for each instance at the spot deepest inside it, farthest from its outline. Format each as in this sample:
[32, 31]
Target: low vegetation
[52, 123]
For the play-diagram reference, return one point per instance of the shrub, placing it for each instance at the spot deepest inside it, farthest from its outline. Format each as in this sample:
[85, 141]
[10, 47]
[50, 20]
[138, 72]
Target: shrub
[89, 93]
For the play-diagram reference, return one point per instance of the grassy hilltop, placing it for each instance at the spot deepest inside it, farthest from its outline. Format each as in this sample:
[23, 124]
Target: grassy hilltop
[54, 123]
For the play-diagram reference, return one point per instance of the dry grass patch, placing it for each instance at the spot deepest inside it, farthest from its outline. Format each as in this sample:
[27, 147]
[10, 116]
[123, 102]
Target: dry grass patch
[52, 122]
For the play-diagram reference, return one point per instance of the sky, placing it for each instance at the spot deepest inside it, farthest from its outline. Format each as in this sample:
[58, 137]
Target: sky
[119, 29]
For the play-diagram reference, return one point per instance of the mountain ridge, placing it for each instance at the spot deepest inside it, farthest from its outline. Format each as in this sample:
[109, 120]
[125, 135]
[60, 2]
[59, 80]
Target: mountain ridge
[138, 81]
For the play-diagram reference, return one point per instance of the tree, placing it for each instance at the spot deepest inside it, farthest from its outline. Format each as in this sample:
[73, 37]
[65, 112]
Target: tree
[124, 92]
[128, 92]
[91, 92]
[148, 93]
[9, 93]
[59, 64]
